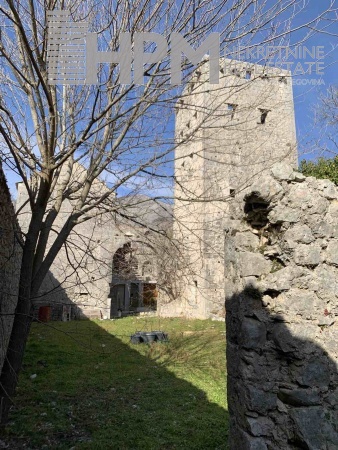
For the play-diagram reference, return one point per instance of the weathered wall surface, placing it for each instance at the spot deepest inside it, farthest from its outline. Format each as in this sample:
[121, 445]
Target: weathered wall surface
[281, 266]
[82, 272]
[246, 124]
[10, 260]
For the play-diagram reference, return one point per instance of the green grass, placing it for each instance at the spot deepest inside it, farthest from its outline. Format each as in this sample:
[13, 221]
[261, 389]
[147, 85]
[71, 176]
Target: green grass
[96, 390]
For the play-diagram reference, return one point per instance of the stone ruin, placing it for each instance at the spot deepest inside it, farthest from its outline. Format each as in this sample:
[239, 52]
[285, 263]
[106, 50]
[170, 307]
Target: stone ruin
[281, 284]
[10, 260]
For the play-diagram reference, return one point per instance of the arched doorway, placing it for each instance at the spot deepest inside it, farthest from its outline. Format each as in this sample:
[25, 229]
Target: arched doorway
[133, 288]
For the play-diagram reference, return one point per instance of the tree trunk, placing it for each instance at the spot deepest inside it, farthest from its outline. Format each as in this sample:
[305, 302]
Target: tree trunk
[17, 343]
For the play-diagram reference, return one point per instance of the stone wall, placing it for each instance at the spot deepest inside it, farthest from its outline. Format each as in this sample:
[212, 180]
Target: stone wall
[10, 260]
[234, 143]
[281, 266]
[82, 274]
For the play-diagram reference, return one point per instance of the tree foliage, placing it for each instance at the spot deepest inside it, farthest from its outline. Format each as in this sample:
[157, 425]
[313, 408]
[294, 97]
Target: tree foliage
[322, 168]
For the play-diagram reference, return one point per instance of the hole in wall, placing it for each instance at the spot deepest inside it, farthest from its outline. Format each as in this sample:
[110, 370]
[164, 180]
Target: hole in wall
[271, 293]
[256, 210]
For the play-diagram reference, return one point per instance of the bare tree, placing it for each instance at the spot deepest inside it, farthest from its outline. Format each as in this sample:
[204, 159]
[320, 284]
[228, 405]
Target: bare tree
[327, 120]
[117, 133]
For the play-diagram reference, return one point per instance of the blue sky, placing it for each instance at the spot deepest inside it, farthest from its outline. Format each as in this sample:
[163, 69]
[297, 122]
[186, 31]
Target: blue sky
[306, 97]
[307, 87]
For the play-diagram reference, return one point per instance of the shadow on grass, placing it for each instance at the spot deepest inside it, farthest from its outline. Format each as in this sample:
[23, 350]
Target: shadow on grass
[96, 391]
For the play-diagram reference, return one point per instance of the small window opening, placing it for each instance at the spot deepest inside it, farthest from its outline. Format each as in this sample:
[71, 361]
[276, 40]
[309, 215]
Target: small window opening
[264, 76]
[264, 114]
[231, 109]
[232, 192]
[195, 114]
[248, 75]
[236, 72]
[195, 282]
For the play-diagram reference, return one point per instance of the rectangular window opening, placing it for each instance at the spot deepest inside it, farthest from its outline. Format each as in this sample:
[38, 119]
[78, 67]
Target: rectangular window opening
[231, 109]
[264, 114]
[236, 72]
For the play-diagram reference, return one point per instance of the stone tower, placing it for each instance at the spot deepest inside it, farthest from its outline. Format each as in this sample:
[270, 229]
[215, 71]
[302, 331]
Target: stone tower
[227, 135]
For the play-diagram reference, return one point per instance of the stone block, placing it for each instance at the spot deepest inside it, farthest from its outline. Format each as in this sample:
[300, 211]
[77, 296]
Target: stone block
[313, 428]
[282, 213]
[332, 253]
[299, 301]
[253, 334]
[322, 228]
[260, 426]
[246, 240]
[299, 233]
[299, 397]
[328, 189]
[267, 188]
[240, 440]
[282, 172]
[299, 177]
[325, 279]
[253, 264]
[282, 279]
[259, 401]
[307, 255]
[314, 372]
[332, 212]
[283, 339]
[300, 196]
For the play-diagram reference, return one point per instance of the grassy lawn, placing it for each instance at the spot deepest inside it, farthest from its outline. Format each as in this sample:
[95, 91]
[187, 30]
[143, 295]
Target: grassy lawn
[95, 390]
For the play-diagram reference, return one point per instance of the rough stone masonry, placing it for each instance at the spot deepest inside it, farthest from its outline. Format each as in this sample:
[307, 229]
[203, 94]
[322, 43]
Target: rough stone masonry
[10, 261]
[281, 266]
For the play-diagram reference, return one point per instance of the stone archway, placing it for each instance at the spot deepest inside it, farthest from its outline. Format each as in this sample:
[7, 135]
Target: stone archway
[133, 288]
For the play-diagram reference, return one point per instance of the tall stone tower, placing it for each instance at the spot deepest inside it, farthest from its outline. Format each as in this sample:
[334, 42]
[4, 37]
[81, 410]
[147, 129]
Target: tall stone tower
[227, 135]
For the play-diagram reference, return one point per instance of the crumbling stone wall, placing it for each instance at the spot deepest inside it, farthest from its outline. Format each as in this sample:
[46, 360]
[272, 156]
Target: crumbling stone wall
[10, 260]
[281, 265]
